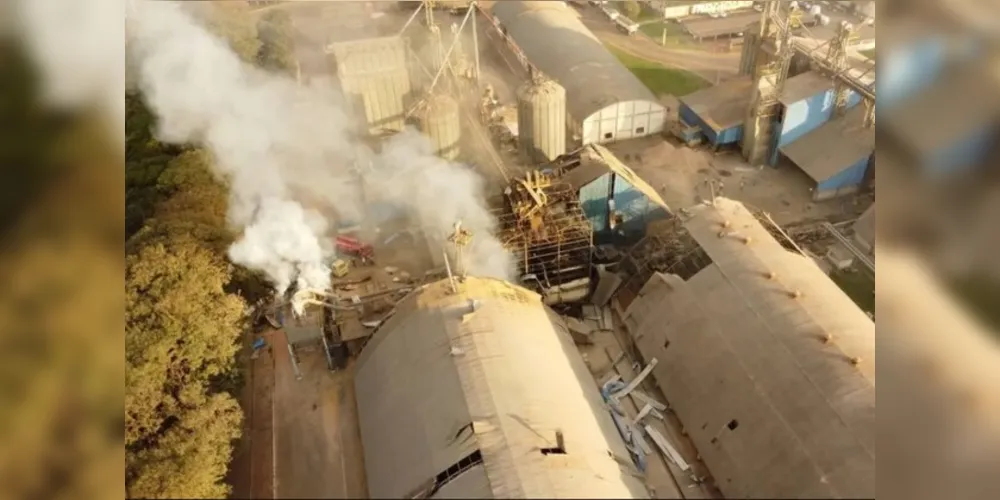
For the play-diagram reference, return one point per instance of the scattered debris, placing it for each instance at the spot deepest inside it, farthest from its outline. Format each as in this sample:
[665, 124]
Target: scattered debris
[645, 398]
[666, 448]
[637, 380]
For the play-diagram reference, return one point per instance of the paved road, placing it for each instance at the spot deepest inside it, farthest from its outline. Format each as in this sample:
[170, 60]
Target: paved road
[712, 66]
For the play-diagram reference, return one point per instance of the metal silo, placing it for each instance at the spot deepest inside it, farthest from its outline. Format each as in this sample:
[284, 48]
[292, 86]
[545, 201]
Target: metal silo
[374, 76]
[541, 120]
[438, 118]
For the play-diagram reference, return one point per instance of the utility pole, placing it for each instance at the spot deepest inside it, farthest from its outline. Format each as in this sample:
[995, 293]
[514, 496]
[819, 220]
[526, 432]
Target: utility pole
[474, 6]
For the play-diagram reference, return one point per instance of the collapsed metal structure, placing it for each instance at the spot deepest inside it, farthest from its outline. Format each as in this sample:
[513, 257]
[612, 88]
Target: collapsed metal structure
[672, 250]
[542, 224]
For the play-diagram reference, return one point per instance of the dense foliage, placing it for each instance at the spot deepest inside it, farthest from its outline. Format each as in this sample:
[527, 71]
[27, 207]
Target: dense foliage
[185, 304]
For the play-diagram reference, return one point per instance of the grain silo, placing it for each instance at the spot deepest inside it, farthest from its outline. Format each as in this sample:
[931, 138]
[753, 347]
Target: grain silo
[374, 77]
[541, 119]
[478, 391]
[439, 120]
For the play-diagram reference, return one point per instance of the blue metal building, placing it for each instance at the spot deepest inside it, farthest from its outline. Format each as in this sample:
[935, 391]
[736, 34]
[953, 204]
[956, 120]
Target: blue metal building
[717, 113]
[616, 201]
[807, 102]
[836, 155]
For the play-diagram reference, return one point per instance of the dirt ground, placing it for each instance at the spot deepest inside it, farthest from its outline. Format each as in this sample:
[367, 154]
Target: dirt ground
[681, 174]
[302, 438]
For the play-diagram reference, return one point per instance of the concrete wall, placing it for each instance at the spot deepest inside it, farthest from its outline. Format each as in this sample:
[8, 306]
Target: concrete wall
[731, 135]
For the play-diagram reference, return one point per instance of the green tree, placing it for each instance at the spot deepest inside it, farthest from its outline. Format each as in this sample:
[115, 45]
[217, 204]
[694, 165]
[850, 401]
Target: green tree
[191, 205]
[277, 49]
[181, 335]
[632, 9]
[234, 22]
[191, 457]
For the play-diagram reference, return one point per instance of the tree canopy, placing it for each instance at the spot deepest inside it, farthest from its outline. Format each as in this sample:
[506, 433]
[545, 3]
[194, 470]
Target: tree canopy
[186, 305]
[277, 46]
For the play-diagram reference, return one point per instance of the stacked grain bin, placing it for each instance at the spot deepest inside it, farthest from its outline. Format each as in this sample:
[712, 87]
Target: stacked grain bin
[541, 120]
[439, 120]
[374, 78]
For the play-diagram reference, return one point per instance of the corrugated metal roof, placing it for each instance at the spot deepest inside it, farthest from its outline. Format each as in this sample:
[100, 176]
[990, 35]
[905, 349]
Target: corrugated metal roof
[435, 367]
[804, 86]
[556, 41]
[834, 146]
[774, 407]
[724, 105]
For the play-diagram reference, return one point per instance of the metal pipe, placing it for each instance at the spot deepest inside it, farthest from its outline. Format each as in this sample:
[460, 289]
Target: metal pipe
[326, 352]
[447, 56]
[451, 277]
[295, 363]
[412, 17]
[475, 37]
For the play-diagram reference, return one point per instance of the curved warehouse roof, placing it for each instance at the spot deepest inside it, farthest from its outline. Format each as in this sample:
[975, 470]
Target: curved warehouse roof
[557, 43]
[459, 400]
[772, 376]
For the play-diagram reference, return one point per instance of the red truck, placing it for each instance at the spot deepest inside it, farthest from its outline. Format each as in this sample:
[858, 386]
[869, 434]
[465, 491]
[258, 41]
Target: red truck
[353, 246]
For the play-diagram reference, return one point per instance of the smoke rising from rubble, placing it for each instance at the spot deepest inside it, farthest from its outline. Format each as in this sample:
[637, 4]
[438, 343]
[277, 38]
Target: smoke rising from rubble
[286, 151]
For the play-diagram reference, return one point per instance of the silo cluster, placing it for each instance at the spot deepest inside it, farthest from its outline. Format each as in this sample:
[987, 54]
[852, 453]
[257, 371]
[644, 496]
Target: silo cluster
[440, 121]
[541, 120]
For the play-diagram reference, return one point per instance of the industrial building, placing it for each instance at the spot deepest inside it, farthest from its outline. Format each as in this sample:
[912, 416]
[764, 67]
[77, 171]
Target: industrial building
[476, 390]
[807, 102]
[676, 10]
[375, 78]
[616, 201]
[604, 100]
[708, 28]
[837, 156]
[716, 113]
[769, 366]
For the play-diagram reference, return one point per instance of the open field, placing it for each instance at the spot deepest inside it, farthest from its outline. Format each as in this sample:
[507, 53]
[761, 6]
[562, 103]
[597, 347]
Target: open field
[660, 79]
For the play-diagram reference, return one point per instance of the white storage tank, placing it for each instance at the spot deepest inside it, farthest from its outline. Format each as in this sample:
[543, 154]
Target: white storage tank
[541, 119]
[374, 77]
[439, 120]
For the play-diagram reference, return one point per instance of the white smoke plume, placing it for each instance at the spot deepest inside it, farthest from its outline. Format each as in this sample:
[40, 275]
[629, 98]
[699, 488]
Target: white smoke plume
[287, 152]
[78, 47]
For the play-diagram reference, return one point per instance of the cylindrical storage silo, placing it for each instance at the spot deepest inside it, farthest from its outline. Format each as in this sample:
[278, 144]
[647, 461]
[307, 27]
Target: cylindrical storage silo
[439, 120]
[541, 120]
